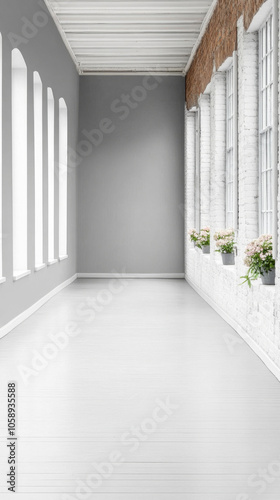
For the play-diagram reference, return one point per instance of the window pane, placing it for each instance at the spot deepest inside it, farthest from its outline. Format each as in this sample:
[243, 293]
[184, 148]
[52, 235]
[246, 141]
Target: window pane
[266, 122]
[1, 239]
[63, 138]
[269, 190]
[229, 148]
[38, 159]
[19, 154]
[268, 106]
[50, 176]
[263, 42]
[271, 67]
[197, 171]
[268, 149]
[264, 192]
[268, 68]
[264, 109]
[268, 38]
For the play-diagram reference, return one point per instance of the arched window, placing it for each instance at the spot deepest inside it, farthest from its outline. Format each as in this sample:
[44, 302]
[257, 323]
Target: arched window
[38, 171]
[63, 146]
[19, 152]
[51, 258]
[1, 139]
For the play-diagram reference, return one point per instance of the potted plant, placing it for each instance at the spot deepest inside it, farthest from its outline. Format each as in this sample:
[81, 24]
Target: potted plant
[203, 240]
[225, 244]
[193, 234]
[259, 259]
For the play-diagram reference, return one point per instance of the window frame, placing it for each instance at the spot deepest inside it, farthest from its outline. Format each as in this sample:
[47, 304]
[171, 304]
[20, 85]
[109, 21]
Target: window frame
[38, 170]
[232, 143]
[19, 81]
[197, 176]
[51, 176]
[63, 177]
[266, 204]
[1, 162]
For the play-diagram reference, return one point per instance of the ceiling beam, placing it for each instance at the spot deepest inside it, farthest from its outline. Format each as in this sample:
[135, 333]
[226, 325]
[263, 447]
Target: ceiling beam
[112, 64]
[61, 32]
[146, 19]
[201, 34]
[132, 28]
[151, 68]
[125, 52]
[130, 35]
[134, 45]
[131, 72]
[97, 7]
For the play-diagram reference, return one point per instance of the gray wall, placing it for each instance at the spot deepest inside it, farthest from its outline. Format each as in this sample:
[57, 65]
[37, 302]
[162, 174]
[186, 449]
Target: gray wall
[45, 52]
[131, 184]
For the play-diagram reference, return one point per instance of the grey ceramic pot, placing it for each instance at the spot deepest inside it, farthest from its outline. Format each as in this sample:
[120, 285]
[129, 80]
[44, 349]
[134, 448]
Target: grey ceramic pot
[268, 278]
[228, 259]
[206, 249]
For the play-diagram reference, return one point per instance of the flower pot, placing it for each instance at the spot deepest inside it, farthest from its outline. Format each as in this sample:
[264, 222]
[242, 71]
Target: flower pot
[268, 278]
[228, 259]
[206, 249]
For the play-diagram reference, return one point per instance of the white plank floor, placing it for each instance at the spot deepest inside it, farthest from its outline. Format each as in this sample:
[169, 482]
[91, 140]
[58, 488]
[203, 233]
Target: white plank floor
[155, 341]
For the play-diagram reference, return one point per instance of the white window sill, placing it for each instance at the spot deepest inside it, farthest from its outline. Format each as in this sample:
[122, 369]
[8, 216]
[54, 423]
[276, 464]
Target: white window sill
[268, 288]
[38, 268]
[2, 280]
[21, 274]
[207, 255]
[231, 267]
[51, 262]
[63, 257]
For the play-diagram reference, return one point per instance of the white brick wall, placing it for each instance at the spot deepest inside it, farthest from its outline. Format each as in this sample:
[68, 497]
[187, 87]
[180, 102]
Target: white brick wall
[254, 313]
[248, 133]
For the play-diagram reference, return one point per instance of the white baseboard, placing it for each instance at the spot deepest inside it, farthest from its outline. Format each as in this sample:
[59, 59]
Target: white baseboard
[25, 314]
[243, 334]
[132, 276]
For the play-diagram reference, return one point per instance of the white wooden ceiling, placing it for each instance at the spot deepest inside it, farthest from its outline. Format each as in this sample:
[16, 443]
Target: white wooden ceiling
[131, 36]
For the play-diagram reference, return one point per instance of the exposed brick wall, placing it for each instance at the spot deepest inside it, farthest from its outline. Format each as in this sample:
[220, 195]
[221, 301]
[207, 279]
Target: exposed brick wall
[218, 43]
[254, 313]
[250, 8]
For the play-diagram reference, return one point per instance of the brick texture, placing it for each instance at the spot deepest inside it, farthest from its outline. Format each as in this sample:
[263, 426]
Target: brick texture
[254, 313]
[218, 43]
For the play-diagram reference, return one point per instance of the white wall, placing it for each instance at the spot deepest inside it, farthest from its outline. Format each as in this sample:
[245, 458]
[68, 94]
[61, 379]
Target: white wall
[254, 313]
[131, 182]
[45, 52]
